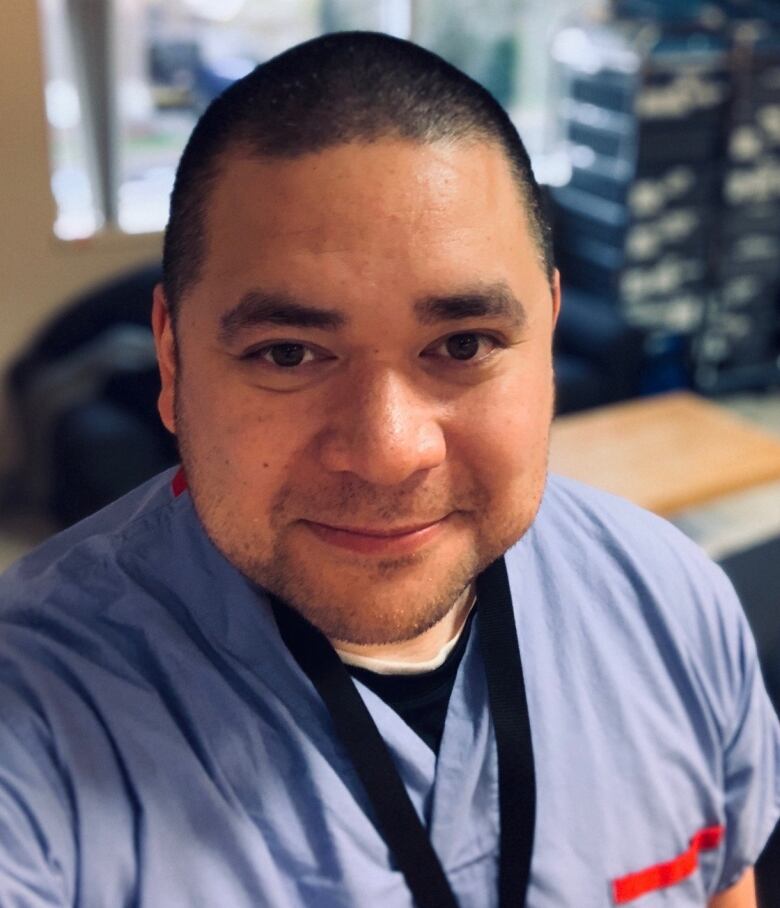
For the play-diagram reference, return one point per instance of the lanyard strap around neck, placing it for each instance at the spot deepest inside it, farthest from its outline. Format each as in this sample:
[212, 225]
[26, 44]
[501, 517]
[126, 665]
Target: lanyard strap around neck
[394, 814]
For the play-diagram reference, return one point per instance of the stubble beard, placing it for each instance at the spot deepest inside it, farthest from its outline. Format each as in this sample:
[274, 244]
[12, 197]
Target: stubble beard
[390, 600]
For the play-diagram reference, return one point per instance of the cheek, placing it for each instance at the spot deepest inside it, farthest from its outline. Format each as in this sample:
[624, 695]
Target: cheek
[511, 448]
[254, 452]
[229, 434]
[509, 437]
[269, 442]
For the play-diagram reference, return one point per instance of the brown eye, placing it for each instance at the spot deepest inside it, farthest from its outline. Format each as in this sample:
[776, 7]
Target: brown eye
[471, 348]
[463, 346]
[287, 355]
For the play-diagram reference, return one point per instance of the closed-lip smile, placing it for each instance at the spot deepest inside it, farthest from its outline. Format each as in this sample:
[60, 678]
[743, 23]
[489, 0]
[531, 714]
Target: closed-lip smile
[377, 540]
[379, 531]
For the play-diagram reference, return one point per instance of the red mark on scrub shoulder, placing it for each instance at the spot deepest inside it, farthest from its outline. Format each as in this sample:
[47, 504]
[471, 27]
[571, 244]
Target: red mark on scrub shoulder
[179, 482]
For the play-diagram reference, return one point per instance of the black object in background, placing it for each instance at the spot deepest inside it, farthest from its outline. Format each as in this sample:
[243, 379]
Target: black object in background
[84, 400]
[641, 114]
[672, 212]
[740, 339]
[755, 574]
[598, 354]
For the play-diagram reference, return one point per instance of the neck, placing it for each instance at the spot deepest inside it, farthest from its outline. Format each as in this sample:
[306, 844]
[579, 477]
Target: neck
[424, 646]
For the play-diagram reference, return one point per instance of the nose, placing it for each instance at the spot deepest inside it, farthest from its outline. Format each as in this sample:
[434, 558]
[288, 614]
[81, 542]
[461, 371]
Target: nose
[383, 429]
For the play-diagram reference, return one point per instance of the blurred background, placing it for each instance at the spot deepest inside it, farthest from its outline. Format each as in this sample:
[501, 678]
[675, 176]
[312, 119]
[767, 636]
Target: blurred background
[654, 126]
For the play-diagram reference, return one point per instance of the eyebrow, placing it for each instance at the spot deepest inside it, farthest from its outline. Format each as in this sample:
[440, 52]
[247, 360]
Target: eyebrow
[257, 308]
[484, 301]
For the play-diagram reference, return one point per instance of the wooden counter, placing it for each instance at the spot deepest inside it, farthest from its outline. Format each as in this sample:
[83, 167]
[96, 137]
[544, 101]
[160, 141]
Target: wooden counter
[665, 453]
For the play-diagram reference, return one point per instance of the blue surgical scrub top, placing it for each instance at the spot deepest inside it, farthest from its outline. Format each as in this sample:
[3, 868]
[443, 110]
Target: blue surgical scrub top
[159, 746]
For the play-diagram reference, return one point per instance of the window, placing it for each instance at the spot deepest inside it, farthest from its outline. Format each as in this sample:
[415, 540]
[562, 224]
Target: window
[174, 57]
[127, 79]
[78, 214]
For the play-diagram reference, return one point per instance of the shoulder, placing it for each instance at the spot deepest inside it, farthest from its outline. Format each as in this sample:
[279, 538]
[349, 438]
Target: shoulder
[71, 609]
[84, 565]
[630, 579]
[616, 536]
[595, 511]
[636, 640]
[66, 612]
[122, 591]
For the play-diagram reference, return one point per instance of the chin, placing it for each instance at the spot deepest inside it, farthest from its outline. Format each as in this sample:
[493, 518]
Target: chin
[391, 602]
[365, 600]
[384, 602]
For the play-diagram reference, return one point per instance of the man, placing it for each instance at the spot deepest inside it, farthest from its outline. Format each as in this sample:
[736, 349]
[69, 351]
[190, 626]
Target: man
[265, 680]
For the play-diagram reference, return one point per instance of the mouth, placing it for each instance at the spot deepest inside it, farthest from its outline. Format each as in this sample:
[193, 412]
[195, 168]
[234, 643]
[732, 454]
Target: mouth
[382, 532]
[377, 540]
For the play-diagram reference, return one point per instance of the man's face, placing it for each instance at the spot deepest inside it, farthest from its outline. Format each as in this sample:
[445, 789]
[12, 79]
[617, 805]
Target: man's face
[364, 386]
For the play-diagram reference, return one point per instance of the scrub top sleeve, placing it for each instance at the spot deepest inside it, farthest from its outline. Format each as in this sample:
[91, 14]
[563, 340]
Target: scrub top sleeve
[36, 845]
[751, 762]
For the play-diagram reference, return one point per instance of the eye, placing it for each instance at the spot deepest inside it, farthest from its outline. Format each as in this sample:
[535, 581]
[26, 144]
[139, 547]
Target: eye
[466, 346]
[285, 355]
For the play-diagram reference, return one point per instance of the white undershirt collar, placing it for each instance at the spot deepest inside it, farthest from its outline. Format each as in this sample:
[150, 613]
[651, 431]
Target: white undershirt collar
[401, 667]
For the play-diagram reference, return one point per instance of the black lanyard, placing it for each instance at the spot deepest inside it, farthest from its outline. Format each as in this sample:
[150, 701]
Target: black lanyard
[395, 816]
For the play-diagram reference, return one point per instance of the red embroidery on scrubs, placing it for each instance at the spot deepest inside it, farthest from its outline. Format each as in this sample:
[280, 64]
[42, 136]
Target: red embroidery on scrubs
[179, 483]
[630, 887]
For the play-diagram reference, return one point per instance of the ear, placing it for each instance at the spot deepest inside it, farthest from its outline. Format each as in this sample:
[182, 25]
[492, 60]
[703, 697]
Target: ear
[165, 343]
[556, 297]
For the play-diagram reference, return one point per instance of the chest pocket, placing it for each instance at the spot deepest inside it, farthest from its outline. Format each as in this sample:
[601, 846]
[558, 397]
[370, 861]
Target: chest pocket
[627, 888]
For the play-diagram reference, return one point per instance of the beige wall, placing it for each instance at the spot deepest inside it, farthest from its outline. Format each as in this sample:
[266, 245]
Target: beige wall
[37, 272]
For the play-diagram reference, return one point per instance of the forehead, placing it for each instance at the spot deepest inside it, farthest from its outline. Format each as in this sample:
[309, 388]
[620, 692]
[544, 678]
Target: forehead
[390, 213]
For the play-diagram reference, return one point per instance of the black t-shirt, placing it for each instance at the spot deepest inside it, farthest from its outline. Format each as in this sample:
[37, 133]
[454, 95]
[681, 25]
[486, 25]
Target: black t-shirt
[420, 700]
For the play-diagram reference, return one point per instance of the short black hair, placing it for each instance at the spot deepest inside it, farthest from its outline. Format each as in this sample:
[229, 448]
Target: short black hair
[337, 88]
